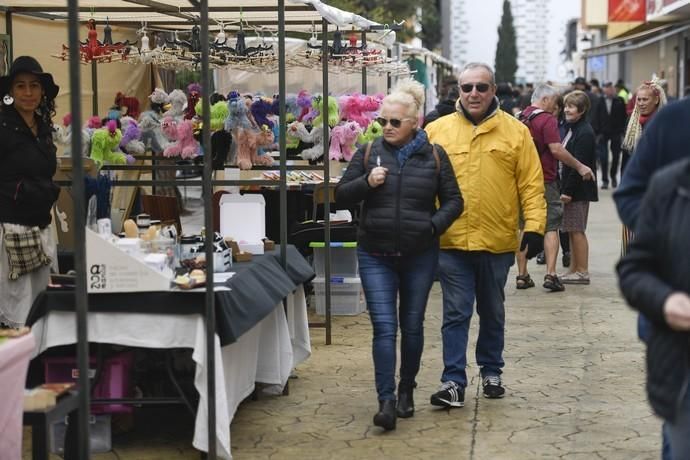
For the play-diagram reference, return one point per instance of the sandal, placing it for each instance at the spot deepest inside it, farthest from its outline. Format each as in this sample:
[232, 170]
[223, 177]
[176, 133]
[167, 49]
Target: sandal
[524, 281]
[553, 284]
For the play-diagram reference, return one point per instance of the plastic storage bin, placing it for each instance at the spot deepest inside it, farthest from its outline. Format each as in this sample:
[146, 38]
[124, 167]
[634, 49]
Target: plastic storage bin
[346, 296]
[343, 259]
[113, 381]
[100, 435]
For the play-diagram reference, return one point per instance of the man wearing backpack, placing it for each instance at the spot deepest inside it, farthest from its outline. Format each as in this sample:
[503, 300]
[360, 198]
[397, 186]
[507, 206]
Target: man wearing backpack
[543, 127]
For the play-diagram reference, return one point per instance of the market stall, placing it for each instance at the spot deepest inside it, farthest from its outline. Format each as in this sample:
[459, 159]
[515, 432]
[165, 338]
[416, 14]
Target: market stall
[200, 19]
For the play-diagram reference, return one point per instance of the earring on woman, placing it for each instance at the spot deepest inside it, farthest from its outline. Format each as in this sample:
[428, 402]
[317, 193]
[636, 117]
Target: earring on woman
[8, 100]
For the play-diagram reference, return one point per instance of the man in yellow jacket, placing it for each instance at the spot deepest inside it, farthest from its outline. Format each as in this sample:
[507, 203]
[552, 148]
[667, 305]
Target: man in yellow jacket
[499, 173]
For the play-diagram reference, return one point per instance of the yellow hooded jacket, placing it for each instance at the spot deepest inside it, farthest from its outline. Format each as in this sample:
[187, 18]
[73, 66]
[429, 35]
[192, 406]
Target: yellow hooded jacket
[499, 173]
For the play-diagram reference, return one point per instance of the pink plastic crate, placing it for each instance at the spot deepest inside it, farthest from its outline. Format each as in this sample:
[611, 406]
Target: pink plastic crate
[114, 381]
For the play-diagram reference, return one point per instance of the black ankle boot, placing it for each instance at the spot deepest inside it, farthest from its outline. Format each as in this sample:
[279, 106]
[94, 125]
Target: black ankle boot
[405, 401]
[385, 418]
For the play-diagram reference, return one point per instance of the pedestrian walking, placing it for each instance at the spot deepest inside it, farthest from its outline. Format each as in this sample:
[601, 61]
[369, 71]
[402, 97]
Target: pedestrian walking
[398, 179]
[609, 122]
[498, 169]
[654, 281]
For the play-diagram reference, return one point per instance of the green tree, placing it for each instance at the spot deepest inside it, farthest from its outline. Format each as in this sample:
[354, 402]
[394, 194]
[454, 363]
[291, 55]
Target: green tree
[388, 11]
[506, 49]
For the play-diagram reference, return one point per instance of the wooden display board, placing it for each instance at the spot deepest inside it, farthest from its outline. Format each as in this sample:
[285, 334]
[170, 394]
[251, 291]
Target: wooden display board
[123, 198]
[63, 211]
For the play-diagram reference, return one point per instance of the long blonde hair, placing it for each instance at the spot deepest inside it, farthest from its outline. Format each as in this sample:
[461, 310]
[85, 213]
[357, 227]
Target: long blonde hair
[634, 129]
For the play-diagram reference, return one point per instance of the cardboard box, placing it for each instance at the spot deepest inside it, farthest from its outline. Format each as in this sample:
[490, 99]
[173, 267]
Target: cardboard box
[110, 269]
[243, 218]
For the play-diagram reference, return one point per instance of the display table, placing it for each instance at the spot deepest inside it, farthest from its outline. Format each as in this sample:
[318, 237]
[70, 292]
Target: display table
[14, 362]
[255, 341]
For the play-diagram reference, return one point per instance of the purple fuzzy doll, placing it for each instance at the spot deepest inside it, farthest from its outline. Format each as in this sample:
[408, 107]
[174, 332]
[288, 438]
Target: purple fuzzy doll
[260, 109]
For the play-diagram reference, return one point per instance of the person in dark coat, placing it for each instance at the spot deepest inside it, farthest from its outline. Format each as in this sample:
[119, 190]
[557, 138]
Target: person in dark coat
[398, 179]
[609, 122]
[653, 277]
[576, 193]
[27, 190]
[443, 108]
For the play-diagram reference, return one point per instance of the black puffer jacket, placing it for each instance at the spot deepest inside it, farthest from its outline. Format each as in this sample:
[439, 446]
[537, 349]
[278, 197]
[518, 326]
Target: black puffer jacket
[655, 266]
[27, 190]
[401, 216]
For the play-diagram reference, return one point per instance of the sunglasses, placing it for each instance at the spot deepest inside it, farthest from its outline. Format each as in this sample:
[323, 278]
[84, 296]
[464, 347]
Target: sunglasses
[481, 87]
[395, 123]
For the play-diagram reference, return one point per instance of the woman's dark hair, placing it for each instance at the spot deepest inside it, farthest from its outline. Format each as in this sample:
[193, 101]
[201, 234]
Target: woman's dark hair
[46, 110]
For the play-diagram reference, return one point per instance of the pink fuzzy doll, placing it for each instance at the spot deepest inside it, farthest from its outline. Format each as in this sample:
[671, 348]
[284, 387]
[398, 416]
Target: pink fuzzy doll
[169, 128]
[185, 146]
[304, 103]
[94, 122]
[262, 139]
[248, 144]
[358, 108]
[343, 138]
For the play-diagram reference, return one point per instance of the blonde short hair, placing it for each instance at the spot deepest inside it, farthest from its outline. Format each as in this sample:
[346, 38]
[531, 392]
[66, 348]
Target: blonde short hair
[408, 93]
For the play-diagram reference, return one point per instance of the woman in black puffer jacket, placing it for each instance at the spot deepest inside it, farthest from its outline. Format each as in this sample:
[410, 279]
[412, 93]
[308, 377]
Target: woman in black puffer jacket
[399, 179]
[654, 280]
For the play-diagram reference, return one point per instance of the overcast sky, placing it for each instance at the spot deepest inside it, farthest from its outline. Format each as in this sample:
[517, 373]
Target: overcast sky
[483, 33]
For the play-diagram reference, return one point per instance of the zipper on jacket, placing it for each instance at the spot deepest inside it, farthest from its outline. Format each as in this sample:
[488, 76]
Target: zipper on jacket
[397, 208]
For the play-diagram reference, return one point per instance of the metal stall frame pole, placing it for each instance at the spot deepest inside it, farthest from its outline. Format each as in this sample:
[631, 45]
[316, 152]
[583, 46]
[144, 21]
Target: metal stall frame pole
[94, 87]
[8, 31]
[389, 54]
[326, 179]
[282, 135]
[207, 191]
[81, 299]
[426, 86]
[364, 65]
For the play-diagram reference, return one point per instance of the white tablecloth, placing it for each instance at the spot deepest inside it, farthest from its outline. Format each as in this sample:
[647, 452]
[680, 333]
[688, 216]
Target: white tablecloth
[267, 353]
[14, 362]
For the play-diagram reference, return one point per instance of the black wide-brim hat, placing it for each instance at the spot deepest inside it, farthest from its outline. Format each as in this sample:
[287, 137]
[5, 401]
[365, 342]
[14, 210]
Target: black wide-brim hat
[27, 64]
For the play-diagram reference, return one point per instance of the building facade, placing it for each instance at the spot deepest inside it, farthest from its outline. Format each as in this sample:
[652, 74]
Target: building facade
[455, 24]
[531, 18]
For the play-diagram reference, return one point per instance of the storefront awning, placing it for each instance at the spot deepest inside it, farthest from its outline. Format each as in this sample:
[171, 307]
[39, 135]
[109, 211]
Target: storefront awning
[636, 41]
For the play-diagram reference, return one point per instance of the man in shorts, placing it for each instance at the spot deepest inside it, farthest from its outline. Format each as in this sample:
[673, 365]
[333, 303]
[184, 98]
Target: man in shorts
[544, 129]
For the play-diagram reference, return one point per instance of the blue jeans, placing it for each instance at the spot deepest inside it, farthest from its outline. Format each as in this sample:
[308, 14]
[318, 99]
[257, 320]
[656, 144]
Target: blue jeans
[644, 330]
[465, 275]
[678, 431]
[383, 277]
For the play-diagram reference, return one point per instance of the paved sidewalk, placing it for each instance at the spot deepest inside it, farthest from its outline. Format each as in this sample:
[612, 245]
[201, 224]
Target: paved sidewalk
[574, 379]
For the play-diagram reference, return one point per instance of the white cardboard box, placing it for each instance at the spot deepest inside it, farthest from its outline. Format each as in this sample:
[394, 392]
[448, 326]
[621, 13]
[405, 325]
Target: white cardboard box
[243, 218]
[110, 269]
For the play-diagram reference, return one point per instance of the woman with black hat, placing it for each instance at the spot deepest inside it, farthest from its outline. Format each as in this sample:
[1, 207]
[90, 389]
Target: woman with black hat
[27, 190]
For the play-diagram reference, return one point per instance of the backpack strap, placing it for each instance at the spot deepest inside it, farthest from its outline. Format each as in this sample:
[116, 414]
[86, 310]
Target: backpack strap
[367, 154]
[436, 158]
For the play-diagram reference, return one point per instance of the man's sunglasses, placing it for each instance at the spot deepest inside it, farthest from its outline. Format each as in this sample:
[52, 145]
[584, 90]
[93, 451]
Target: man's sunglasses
[481, 87]
[395, 123]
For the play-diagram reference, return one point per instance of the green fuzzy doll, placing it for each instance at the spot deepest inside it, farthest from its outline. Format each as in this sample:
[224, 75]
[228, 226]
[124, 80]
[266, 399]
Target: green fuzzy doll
[373, 131]
[333, 112]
